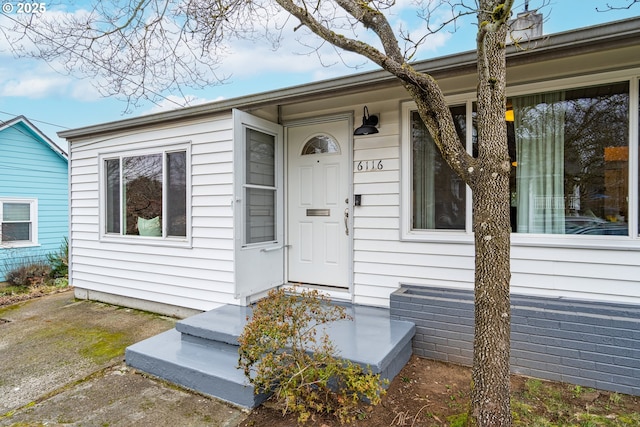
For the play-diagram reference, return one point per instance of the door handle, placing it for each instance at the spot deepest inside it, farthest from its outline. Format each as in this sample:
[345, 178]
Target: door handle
[346, 221]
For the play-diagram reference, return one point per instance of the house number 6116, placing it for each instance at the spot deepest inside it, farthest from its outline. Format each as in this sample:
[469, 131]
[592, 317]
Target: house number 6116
[369, 165]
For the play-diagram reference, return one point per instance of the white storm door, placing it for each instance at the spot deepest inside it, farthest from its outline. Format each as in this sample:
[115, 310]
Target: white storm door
[318, 203]
[258, 204]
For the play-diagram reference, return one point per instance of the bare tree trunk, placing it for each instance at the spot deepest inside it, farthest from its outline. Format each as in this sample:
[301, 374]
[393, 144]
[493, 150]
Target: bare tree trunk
[491, 349]
[490, 394]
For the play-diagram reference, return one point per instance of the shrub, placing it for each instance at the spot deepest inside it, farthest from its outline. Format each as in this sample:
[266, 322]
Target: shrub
[60, 260]
[30, 272]
[281, 353]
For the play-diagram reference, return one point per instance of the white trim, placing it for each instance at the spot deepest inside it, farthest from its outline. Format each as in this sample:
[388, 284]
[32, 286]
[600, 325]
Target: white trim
[52, 145]
[573, 82]
[631, 242]
[406, 232]
[33, 219]
[634, 148]
[171, 241]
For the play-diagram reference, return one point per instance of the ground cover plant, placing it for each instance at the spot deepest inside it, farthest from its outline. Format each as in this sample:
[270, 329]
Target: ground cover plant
[284, 351]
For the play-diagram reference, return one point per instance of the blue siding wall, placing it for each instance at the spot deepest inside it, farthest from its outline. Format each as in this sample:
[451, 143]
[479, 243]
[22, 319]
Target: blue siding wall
[593, 344]
[29, 168]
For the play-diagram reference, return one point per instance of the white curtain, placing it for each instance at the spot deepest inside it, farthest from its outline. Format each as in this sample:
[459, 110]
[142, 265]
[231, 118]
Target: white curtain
[424, 152]
[539, 129]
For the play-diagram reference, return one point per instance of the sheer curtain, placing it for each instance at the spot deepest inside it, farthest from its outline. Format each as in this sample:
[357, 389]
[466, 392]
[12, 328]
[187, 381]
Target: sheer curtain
[539, 130]
[424, 152]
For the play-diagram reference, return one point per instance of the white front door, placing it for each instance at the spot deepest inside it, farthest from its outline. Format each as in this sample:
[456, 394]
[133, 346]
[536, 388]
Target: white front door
[258, 204]
[318, 203]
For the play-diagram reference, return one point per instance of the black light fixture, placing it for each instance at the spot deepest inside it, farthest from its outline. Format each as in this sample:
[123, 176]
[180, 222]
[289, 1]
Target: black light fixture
[369, 124]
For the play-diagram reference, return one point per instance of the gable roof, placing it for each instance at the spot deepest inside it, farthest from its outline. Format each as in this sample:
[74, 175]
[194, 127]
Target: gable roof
[35, 133]
[574, 42]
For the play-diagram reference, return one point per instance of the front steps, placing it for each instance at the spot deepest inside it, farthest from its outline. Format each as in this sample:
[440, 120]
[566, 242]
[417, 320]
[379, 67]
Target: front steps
[201, 353]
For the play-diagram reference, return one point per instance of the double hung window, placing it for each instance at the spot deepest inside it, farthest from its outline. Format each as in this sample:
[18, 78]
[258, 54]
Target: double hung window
[18, 222]
[146, 194]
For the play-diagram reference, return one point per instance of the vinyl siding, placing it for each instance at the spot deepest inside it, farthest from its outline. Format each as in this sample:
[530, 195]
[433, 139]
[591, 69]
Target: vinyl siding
[603, 269]
[30, 169]
[381, 260]
[199, 275]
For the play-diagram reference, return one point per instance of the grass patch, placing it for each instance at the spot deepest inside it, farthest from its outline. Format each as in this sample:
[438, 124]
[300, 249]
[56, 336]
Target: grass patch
[540, 403]
[12, 294]
[98, 345]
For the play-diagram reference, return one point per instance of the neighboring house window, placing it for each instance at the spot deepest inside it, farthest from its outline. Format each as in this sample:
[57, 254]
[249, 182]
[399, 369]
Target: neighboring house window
[18, 222]
[146, 194]
[570, 161]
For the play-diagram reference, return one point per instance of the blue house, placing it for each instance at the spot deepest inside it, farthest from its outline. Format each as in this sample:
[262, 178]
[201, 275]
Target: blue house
[34, 194]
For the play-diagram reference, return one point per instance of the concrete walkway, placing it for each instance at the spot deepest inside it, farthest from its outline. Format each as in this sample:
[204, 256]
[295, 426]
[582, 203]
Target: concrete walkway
[62, 363]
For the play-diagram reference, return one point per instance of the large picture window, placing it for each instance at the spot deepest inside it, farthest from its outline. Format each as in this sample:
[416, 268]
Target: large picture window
[145, 194]
[18, 222]
[570, 156]
[570, 161]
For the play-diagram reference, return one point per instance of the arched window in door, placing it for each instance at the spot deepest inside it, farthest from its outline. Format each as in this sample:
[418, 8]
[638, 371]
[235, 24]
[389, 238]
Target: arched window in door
[321, 144]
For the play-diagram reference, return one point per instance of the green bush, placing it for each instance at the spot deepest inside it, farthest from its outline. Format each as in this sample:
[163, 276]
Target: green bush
[60, 260]
[281, 353]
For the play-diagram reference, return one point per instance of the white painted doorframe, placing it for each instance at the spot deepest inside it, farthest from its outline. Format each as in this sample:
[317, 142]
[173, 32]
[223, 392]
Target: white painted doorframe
[340, 126]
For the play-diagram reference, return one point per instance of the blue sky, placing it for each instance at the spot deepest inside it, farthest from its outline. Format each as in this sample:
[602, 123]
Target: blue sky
[55, 101]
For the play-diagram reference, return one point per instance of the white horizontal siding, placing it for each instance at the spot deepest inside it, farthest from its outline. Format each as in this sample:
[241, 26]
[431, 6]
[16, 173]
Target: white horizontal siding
[199, 300]
[199, 276]
[382, 261]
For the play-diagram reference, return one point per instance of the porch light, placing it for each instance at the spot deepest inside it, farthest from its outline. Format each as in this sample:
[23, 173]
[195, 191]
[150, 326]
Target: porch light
[369, 124]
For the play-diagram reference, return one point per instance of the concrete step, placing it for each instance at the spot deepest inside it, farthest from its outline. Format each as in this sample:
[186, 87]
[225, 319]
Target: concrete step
[209, 369]
[201, 353]
[224, 324]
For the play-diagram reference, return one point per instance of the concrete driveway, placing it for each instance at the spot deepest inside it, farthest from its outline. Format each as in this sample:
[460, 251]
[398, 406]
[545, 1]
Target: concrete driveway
[62, 363]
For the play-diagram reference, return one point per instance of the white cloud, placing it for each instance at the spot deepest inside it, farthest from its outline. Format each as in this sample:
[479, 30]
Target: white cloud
[251, 59]
[33, 79]
[32, 87]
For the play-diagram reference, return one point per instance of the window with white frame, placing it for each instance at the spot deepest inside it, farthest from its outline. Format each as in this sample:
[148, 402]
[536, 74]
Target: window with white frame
[260, 187]
[145, 194]
[438, 195]
[570, 164]
[570, 161]
[18, 222]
